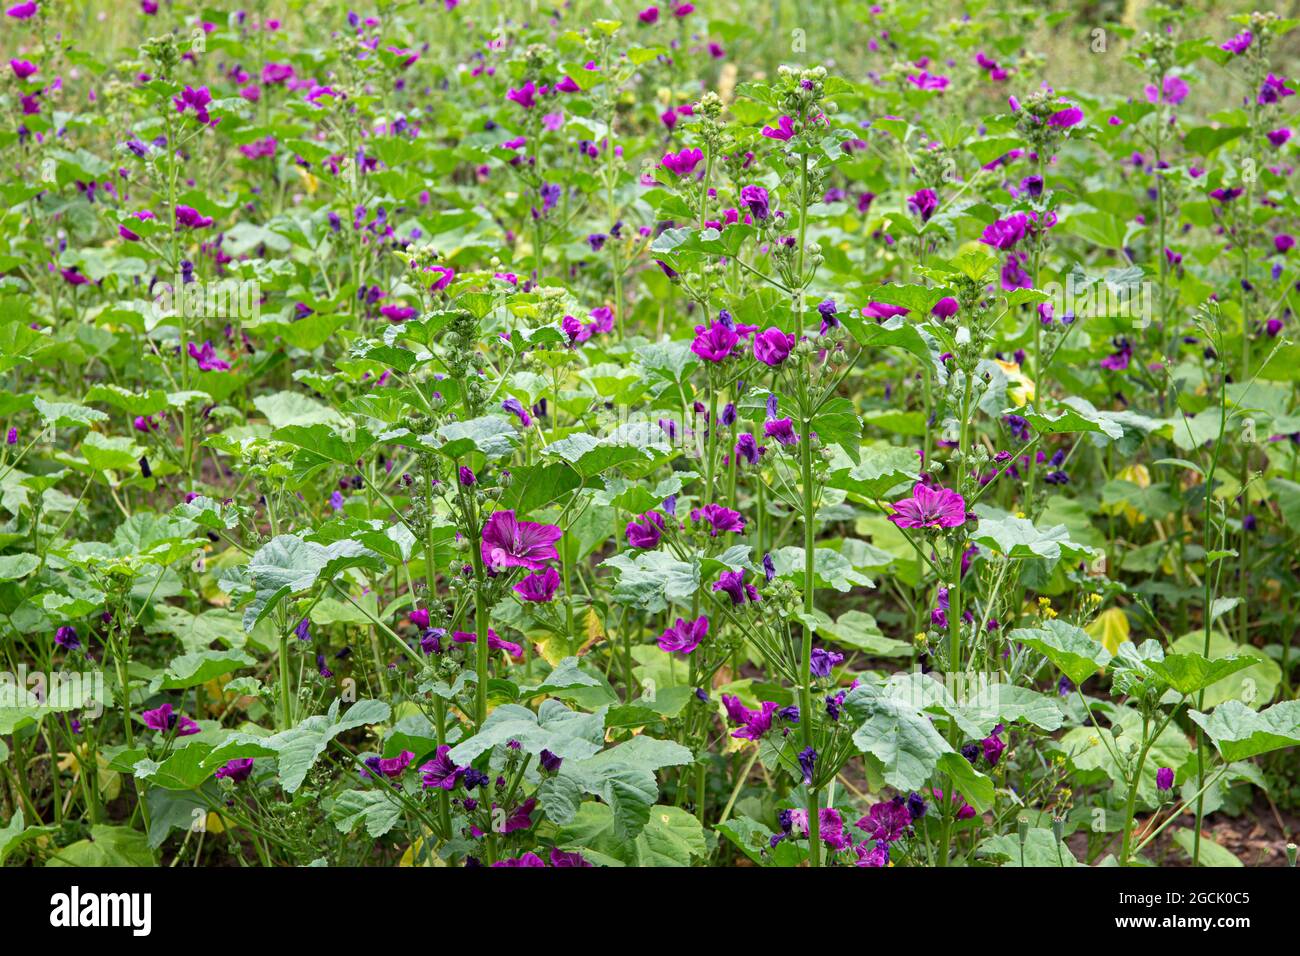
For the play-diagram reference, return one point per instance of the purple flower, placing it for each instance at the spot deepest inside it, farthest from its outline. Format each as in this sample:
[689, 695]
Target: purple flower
[516, 408]
[807, 760]
[772, 346]
[755, 197]
[11, 437]
[66, 637]
[784, 130]
[945, 308]
[207, 358]
[993, 746]
[539, 587]
[683, 637]
[440, 772]
[23, 68]
[303, 629]
[923, 203]
[930, 508]
[190, 217]
[823, 660]
[747, 447]
[163, 719]
[682, 163]
[733, 583]
[1238, 44]
[1070, 116]
[494, 643]
[237, 770]
[1164, 778]
[467, 477]
[782, 430]
[715, 343]
[22, 11]
[1278, 137]
[887, 821]
[645, 535]
[511, 543]
[1274, 90]
[719, 519]
[524, 96]
[753, 723]
[1282, 242]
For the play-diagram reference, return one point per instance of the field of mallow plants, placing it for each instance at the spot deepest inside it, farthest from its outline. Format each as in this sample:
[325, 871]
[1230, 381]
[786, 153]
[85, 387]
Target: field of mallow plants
[484, 434]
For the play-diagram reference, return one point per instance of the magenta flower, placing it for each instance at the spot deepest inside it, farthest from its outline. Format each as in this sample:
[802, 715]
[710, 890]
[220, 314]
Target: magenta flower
[1174, 90]
[1278, 137]
[207, 358]
[683, 637]
[928, 81]
[753, 723]
[22, 11]
[782, 430]
[196, 100]
[1164, 779]
[887, 821]
[923, 203]
[1238, 44]
[397, 313]
[755, 197]
[719, 519]
[23, 68]
[682, 163]
[237, 770]
[191, 218]
[539, 587]
[882, 310]
[440, 772]
[646, 533]
[393, 766]
[715, 343]
[928, 508]
[945, 308]
[511, 543]
[772, 346]
[648, 15]
[1070, 116]
[784, 129]
[525, 96]
[494, 642]
[163, 719]
[1274, 90]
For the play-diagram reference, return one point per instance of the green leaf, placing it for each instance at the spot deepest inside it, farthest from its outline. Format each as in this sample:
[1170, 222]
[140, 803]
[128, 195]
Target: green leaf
[191, 670]
[1041, 848]
[107, 846]
[1239, 732]
[1188, 673]
[882, 469]
[898, 735]
[1211, 854]
[288, 565]
[566, 733]
[1074, 653]
[1018, 538]
[300, 746]
[672, 837]
[379, 810]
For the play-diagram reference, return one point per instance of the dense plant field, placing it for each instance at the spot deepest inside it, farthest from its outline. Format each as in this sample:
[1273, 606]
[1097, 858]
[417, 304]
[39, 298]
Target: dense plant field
[504, 434]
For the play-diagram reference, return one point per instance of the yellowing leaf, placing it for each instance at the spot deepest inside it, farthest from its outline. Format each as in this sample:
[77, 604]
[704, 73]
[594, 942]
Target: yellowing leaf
[1021, 390]
[1111, 628]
